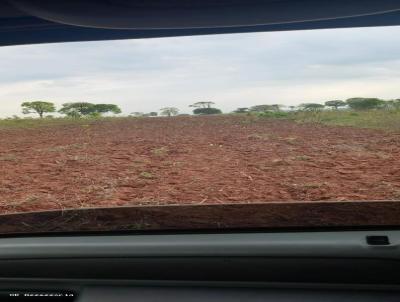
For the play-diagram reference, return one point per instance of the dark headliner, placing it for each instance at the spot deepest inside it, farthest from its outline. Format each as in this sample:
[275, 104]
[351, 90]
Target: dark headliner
[20, 24]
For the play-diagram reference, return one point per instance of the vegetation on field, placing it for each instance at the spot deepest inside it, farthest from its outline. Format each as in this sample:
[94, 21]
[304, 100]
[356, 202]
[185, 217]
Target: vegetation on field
[84, 156]
[38, 107]
[311, 106]
[356, 112]
[169, 111]
[142, 114]
[265, 108]
[242, 110]
[335, 104]
[374, 119]
[205, 108]
[207, 111]
[80, 109]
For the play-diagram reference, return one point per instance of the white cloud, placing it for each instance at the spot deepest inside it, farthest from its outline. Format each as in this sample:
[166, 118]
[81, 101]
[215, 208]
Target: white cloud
[232, 70]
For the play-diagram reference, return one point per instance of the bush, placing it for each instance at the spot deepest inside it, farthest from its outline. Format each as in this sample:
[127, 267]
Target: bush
[311, 107]
[364, 103]
[94, 115]
[204, 111]
[277, 114]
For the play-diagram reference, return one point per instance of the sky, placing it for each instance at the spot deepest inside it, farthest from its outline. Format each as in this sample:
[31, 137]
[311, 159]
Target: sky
[231, 70]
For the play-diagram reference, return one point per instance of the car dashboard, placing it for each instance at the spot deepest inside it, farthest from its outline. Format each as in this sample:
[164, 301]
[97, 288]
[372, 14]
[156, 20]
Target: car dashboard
[280, 266]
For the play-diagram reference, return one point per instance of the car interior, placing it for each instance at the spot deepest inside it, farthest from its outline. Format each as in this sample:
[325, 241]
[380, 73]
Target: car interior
[318, 251]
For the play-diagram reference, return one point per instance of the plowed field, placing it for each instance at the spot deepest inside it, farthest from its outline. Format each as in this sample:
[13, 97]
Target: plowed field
[191, 160]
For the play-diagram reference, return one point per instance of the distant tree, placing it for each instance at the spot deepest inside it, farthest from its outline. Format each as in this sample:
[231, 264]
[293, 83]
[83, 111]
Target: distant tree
[260, 108]
[150, 114]
[169, 111]
[137, 114]
[204, 111]
[241, 110]
[37, 107]
[277, 107]
[335, 104]
[364, 103]
[391, 104]
[202, 105]
[105, 108]
[311, 106]
[292, 108]
[79, 109]
[265, 108]
[205, 108]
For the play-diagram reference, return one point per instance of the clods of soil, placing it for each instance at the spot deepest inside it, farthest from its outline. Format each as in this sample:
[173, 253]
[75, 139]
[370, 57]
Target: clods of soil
[193, 160]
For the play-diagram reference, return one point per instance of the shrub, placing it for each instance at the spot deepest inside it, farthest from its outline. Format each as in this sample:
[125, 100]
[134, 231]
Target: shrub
[263, 108]
[335, 104]
[311, 106]
[364, 103]
[278, 114]
[204, 111]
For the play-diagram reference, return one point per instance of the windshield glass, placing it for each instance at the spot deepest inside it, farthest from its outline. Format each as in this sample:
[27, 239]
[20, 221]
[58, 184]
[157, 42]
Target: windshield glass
[256, 118]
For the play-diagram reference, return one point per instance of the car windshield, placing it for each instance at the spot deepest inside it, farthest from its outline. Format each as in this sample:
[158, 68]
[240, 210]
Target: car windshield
[275, 122]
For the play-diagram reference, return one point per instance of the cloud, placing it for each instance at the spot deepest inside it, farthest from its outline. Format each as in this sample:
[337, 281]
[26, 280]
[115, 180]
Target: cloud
[234, 70]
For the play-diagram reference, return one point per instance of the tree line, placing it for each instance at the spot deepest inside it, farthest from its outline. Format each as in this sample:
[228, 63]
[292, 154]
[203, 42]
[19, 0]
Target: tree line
[357, 103]
[201, 108]
[77, 109]
[82, 109]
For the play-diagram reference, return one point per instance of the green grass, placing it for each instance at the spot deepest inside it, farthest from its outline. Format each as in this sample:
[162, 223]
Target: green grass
[31, 123]
[35, 122]
[375, 119]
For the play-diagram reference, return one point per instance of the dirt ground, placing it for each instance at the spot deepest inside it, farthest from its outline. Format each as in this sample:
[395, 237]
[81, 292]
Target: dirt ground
[194, 160]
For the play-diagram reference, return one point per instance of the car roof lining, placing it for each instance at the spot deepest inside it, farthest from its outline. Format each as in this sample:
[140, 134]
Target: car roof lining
[22, 22]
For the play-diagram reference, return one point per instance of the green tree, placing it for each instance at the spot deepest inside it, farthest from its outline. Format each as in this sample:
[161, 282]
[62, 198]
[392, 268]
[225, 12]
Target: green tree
[137, 114]
[265, 108]
[202, 105]
[276, 107]
[105, 108]
[37, 107]
[204, 111]
[79, 109]
[311, 106]
[335, 104]
[241, 110]
[169, 111]
[364, 103]
[150, 114]
[391, 104]
[205, 108]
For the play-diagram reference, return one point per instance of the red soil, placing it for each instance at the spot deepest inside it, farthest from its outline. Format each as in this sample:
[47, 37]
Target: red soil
[186, 160]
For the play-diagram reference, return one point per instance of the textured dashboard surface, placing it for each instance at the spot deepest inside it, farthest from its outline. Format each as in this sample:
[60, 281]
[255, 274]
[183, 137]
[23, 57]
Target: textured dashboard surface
[231, 295]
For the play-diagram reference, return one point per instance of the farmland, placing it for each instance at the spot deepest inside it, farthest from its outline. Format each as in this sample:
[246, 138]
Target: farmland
[67, 163]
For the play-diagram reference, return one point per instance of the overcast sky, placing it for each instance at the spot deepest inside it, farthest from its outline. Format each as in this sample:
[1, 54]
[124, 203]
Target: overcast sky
[235, 70]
